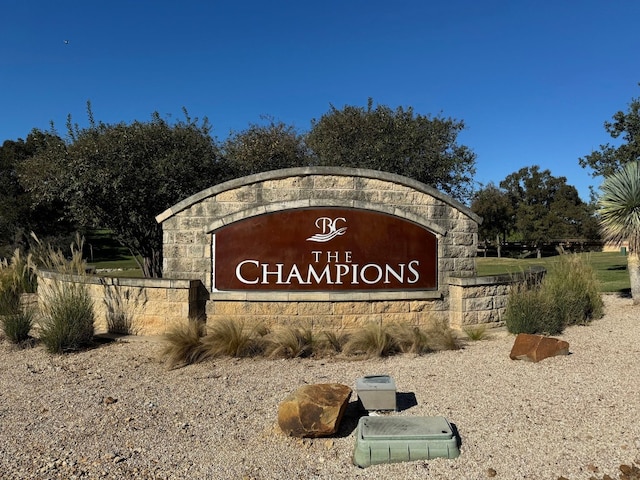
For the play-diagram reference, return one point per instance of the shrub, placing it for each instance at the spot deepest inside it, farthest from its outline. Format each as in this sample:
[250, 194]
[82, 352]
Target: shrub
[227, 337]
[289, 342]
[67, 321]
[183, 346]
[529, 310]
[567, 295]
[573, 288]
[17, 326]
[372, 340]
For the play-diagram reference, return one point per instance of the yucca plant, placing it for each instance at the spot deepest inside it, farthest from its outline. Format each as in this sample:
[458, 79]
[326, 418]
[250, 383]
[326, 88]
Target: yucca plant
[619, 217]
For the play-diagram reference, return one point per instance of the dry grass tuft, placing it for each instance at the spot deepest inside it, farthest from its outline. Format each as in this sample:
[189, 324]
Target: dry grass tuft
[289, 342]
[372, 340]
[183, 346]
[230, 338]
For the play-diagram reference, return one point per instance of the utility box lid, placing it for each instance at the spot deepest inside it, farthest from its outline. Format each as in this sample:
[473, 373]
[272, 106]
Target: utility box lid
[400, 439]
[376, 392]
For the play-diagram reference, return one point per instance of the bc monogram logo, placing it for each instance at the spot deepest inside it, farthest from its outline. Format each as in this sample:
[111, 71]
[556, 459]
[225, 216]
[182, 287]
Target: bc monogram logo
[328, 229]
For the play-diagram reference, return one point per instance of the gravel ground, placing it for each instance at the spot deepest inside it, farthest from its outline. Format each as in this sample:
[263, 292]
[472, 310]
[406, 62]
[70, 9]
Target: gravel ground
[116, 412]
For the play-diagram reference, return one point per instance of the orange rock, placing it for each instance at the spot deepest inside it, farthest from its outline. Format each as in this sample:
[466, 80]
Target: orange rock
[537, 347]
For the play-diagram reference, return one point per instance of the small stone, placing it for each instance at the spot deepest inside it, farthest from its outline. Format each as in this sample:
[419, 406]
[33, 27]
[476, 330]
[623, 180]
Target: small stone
[110, 400]
[491, 472]
[592, 468]
[328, 444]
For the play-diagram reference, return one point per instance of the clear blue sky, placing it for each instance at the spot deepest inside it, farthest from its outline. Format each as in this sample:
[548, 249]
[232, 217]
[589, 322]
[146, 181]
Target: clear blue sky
[532, 80]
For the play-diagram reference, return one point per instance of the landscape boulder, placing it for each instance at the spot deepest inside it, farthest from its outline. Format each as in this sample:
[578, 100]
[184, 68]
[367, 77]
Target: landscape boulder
[534, 348]
[314, 410]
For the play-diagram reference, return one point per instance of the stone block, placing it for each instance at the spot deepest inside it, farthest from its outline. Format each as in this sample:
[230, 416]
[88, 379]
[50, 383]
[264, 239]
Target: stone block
[390, 307]
[537, 347]
[351, 308]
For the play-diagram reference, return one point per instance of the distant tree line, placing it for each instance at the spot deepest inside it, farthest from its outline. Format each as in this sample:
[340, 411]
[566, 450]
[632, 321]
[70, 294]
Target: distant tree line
[120, 176]
[533, 207]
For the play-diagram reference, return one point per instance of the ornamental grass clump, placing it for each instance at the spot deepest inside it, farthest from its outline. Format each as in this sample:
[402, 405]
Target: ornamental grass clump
[183, 346]
[67, 318]
[230, 338]
[567, 295]
[573, 289]
[372, 340]
[16, 278]
[289, 342]
[67, 321]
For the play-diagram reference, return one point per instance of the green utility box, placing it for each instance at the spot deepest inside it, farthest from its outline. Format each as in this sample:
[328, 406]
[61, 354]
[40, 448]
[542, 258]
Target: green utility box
[403, 439]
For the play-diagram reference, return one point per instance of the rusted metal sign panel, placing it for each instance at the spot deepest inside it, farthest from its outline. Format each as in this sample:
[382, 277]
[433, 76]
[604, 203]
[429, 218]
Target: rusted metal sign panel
[325, 249]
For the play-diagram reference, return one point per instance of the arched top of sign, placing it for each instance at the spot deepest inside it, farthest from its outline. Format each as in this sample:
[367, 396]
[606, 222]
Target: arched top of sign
[307, 171]
[324, 249]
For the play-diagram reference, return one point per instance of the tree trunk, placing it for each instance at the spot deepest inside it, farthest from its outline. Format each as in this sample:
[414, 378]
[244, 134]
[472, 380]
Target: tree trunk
[498, 246]
[633, 265]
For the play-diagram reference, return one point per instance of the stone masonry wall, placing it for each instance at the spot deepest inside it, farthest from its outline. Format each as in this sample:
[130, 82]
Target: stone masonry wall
[483, 300]
[153, 305]
[188, 249]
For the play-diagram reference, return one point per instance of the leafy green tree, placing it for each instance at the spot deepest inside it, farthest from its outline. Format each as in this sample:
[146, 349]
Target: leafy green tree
[397, 141]
[546, 208]
[120, 176]
[493, 205]
[619, 215]
[260, 148]
[610, 159]
[19, 215]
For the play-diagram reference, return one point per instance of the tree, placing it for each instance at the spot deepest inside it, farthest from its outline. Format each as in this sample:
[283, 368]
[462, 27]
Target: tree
[265, 147]
[493, 205]
[19, 215]
[121, 176]
[546, 208]
[619, 214]
[397, 141]
[610, 159]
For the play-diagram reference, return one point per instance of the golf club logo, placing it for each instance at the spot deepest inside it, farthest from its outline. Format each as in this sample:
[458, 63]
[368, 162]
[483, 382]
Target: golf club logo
[328, 229]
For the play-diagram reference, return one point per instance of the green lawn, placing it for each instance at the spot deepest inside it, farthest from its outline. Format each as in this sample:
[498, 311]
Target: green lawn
[610, 268]
[103, 252]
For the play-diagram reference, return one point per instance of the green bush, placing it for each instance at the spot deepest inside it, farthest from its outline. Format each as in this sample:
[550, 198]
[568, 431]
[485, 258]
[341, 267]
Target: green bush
[67, 321]
[530, 311]
[573, 286]
[17, 326]
[567, 295]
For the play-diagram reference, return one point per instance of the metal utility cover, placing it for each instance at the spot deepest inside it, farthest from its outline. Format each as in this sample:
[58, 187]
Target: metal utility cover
[400, 439]
[376, 392]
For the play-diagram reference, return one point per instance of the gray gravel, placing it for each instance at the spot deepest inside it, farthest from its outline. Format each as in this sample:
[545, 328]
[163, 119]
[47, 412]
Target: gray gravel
[115, 412]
